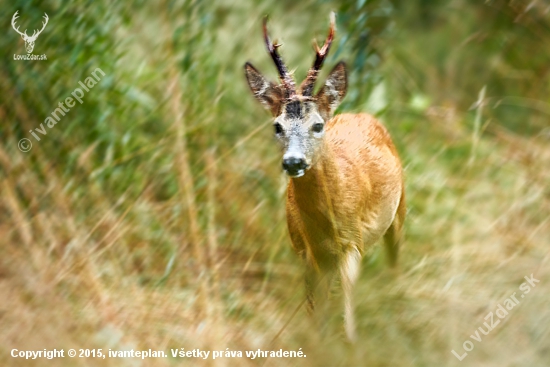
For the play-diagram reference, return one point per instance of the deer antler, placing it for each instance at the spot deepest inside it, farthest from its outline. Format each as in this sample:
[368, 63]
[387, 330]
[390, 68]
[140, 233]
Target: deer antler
[15, 16]
[284, 75]
[36, 33]
[321, 54]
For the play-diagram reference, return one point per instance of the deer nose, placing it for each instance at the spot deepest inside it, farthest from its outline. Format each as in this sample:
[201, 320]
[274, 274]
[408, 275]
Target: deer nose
[293, 164]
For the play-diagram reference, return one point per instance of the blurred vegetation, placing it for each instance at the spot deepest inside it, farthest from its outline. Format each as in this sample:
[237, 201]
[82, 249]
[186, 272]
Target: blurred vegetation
[152, 215]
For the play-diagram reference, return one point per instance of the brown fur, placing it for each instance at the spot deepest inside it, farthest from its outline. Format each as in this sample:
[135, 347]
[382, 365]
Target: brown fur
[348, 199]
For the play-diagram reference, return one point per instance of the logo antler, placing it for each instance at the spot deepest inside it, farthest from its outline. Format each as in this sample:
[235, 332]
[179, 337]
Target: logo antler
[15, 16]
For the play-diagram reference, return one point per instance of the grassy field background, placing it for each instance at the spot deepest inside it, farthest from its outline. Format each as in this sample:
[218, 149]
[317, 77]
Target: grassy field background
[152, 214]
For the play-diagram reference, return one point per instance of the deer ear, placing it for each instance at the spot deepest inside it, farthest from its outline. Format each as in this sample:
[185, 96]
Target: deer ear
[269, 94]
[334, 90]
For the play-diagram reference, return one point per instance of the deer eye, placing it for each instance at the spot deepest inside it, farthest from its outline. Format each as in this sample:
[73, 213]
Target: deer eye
[317, 127]
[278, 128]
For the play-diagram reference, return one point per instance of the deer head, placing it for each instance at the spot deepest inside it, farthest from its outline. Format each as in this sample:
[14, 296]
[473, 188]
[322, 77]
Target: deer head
[300, 116]
[29, 40]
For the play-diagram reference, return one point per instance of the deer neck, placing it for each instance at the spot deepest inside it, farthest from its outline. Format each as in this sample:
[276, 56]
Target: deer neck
[313, 191]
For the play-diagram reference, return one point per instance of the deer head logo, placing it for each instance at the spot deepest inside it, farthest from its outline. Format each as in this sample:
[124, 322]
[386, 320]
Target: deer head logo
[29, 40]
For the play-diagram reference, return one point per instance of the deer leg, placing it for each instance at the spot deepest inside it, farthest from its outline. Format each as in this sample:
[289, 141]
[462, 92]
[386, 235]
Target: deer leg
[349, 271]
[393, 236]
[311, 280]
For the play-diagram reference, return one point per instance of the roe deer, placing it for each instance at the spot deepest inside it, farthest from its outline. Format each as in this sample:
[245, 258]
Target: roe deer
[346, 184]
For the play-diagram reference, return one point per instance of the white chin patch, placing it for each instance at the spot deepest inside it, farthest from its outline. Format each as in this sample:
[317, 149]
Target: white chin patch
[300, 173]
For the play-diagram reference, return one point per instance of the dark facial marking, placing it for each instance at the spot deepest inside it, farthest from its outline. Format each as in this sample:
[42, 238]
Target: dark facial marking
[294, 110]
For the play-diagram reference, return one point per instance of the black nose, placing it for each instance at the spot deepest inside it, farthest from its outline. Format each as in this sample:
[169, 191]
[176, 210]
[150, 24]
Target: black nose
[294, 164]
